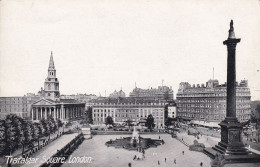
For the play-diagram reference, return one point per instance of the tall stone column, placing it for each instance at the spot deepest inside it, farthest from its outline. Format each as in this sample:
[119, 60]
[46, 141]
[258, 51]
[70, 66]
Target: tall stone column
[231, 140]
[231, 43]
[45, 113]
[65, 113]
[61, 109]
[37, 113]
[41, 112]
[54, 113]
[58, 113]
[32, 113]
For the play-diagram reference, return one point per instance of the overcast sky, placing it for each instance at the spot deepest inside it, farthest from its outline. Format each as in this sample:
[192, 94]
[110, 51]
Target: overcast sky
[104, 45]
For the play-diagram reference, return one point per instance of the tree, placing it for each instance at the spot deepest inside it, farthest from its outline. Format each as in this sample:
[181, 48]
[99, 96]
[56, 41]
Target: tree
[2, 137]
[150, 122]
[13, 132]
[258, 113]
[255, 113]
[28, 135]
[41, 129]
[46, 127]
[89, 117]
[36, 133]
[128, 123]
[59, 124]
[52, 124]
[109, 120]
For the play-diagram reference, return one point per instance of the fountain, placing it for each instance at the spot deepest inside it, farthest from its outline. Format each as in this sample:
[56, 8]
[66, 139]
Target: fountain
[135, 142]
[135, 136]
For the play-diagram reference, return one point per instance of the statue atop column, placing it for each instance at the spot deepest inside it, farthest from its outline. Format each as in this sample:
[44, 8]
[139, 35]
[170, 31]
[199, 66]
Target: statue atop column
[231, 34]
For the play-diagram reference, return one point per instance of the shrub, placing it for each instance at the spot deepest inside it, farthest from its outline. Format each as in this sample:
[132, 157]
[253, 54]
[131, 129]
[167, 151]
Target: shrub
[93, 132]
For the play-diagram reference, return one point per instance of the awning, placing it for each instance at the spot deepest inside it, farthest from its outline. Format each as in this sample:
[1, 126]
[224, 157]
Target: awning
[207, 124]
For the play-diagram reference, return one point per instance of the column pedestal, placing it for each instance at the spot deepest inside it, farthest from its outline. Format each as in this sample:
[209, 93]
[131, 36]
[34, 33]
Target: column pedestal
[231, 140]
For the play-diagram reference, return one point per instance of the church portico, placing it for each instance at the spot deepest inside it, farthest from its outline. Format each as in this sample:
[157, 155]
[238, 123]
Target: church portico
[43, 109]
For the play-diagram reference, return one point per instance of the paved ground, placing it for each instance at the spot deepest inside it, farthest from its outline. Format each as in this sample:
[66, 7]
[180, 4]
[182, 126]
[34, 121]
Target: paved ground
[51, 149]
[111, 157]
[243, 165]
[208, 141]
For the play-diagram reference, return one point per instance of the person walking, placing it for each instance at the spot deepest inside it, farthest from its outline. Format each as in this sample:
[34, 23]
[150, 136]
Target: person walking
[201, 164]
[174, 161]
[158, 162]
[182, 152]
[165, 159]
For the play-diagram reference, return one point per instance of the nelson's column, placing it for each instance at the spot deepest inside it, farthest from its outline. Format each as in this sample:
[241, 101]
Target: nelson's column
[231, 145]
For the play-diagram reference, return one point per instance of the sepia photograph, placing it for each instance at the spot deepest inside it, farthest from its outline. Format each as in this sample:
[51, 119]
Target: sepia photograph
[129, 83]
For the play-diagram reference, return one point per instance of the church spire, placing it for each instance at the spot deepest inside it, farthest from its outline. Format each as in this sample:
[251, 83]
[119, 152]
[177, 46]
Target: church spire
[51, 63]
[51, 84]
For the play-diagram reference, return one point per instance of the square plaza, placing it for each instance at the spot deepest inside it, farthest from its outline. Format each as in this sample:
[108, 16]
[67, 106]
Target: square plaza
[118, 157]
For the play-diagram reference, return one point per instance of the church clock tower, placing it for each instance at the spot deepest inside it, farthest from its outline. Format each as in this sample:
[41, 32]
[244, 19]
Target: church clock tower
[51, 84]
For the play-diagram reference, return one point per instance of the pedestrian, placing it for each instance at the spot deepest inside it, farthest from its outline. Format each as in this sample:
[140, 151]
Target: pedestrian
[158, 162]
[165, 159]
[182, 152]
[159, 137]
[174, 160]
[201, 164]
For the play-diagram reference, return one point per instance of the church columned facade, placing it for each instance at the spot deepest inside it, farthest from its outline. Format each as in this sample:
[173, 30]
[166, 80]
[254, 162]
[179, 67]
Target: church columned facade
[51, 105]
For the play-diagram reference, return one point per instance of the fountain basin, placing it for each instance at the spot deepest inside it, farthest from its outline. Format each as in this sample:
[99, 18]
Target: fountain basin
[134, 144]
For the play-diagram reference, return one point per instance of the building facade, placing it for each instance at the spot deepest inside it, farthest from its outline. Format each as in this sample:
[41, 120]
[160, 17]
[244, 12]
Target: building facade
[19, 105]
[160, 93]
[51, 105]
[208, 102]
[13, 105]
[118, 94]
[122, 110]
[172, 112]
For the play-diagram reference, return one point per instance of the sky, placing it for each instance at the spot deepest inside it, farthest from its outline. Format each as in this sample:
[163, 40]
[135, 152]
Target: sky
[104, 45]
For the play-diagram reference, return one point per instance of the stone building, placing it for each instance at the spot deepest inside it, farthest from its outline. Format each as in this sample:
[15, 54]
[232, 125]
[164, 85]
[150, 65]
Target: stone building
[51, 105]
[208, 102]
[118, 94]
[124, 109]
[172, 113]
[13, 105]
[83, 98]
[19, 105]
[160, 93]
